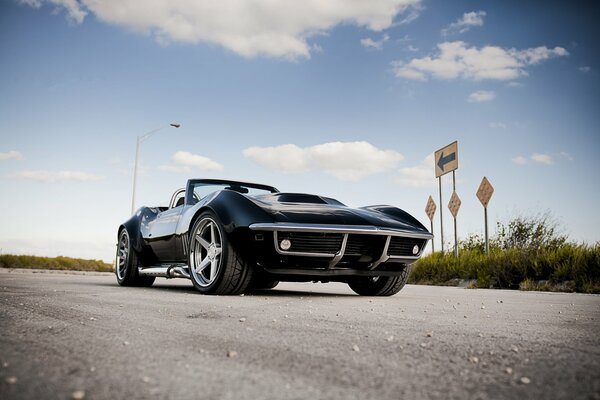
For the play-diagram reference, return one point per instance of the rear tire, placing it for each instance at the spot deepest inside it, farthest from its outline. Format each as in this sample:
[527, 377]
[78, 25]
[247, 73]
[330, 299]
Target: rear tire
[380, 285]
[126, 265]
[215, 266]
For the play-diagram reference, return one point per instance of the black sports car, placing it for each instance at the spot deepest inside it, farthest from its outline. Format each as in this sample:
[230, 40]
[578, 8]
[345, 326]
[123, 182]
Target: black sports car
[228, 236]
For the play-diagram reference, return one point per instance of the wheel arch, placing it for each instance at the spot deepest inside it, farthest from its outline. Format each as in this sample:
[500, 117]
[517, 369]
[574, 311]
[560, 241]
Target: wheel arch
[132, 225]
[233, 209]
[397, 214]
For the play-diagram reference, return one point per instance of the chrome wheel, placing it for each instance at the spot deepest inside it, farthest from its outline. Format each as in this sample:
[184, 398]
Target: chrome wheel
[206, 252]
[122, 255]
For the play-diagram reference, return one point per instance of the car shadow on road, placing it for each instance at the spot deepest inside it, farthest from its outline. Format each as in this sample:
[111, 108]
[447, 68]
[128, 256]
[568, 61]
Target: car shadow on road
[179, 288]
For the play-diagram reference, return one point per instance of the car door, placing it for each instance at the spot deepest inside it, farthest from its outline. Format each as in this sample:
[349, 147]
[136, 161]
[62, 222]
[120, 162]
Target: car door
[161, 231]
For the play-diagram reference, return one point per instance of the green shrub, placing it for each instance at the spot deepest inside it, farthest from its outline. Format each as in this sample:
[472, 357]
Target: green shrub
[56, 263]
[527, 253]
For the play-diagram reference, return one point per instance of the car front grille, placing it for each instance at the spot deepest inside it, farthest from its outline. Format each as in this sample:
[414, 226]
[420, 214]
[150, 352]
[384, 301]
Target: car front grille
[371, 246]
[403, 246]
[312, 242]
[365, 245]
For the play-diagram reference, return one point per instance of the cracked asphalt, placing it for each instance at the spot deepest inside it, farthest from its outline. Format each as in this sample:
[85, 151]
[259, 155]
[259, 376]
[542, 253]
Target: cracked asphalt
[80, 335]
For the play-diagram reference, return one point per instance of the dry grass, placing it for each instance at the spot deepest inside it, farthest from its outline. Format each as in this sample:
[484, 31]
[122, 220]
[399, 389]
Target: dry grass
[568, 267]
[55, 263]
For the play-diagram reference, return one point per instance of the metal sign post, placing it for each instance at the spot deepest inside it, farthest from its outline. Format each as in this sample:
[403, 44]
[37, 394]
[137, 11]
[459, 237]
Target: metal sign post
[484, 194]
[441, 216]
[446, 160]
[430, 211]
[454, 206]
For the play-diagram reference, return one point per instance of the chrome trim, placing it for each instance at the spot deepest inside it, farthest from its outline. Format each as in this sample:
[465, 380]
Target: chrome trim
[362, 229]
[296, 253]
[171, 271]
[340, 253]
[154, 271]
[403, 258]
[172, 202]
[178, 272]
[384, 255]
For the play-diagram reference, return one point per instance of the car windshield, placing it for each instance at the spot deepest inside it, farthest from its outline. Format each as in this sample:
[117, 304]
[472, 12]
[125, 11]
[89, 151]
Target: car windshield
[203, 189]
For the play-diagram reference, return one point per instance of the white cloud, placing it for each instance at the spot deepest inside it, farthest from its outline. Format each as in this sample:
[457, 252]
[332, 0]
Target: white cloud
[75, 12]
[520, 160]
[514, 84]
[462, 25]
[317, 49]
[585, 69]
[246, 27]
[374, 44]
[183, 161]
[497, 125]
[481, 96]
[347, 161]
[457, 60]
[412, 48]
[542, 158]
[413, 13]
[11, 155]
[421, 175]
[566, 155]
[57, 176]
[287, 158]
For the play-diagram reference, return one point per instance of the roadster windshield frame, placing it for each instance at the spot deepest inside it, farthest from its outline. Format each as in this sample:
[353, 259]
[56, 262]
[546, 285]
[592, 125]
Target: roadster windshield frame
[197, 189]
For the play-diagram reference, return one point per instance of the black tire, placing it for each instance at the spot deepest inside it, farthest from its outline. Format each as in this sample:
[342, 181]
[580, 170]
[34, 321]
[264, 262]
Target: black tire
[126, 265]
[209, 244]
[380, 285]
[262, 283]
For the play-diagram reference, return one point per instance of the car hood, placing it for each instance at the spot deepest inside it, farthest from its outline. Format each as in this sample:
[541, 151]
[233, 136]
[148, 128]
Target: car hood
[313, 209]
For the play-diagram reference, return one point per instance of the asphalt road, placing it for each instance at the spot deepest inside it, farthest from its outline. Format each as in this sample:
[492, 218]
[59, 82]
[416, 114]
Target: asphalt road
[71, 335]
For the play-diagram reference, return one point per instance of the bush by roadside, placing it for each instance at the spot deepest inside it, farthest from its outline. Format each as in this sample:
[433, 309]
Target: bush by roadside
[528, 253]
[56, 263]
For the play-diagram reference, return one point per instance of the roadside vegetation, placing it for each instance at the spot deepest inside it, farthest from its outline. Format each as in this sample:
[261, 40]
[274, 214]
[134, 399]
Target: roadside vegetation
[527, 253]
[56, 263]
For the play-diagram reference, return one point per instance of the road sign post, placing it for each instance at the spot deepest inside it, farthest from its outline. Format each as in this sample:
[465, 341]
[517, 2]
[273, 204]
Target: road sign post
[441, 216]
[484, 194]
[446, 160]
[430, 211]
[454, 206]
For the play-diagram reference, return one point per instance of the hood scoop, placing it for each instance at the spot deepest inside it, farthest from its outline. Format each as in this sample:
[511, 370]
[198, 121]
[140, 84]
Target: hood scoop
[298, 198]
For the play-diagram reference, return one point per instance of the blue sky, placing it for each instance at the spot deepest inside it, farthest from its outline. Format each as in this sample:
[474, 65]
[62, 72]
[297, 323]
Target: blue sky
[347, 99]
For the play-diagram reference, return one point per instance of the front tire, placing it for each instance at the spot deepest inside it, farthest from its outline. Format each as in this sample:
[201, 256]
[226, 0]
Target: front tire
[126, 265]
[262, 283]
[380, 285]
[215, 266]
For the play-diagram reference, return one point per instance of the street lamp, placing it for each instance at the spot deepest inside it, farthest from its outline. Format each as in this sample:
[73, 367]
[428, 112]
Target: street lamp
[140, 139]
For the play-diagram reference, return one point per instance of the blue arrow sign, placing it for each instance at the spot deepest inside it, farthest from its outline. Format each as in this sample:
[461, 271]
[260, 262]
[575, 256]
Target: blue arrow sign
[445, 160]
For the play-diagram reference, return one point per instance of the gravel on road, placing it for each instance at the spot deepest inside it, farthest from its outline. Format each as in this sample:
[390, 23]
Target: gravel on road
[80, 335]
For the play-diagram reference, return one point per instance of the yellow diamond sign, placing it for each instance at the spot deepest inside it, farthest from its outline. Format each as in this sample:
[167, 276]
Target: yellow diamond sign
[430, 208]
[454, 204]
[485, 191]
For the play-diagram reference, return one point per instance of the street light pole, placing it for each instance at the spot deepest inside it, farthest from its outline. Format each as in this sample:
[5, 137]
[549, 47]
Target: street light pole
[139, 140]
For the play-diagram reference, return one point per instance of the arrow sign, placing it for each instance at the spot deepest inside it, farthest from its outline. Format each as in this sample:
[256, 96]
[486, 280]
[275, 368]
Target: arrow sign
[446, 159]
